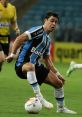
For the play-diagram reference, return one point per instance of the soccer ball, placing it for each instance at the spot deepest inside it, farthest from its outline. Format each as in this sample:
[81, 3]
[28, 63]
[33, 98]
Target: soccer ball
[33, 106]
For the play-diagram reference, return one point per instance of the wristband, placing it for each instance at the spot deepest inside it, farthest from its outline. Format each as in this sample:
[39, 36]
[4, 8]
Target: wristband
[12, 55]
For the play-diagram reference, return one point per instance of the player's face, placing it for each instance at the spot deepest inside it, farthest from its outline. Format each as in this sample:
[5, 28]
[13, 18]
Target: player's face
[5, 1]
[50, 24]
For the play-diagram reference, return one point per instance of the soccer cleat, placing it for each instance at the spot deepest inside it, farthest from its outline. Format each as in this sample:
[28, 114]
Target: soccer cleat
[46, 104]
[66, 110]
[70, 69]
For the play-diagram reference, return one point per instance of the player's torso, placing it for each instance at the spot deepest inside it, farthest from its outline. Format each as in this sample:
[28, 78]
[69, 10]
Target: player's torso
[33, 49]
[6, 15]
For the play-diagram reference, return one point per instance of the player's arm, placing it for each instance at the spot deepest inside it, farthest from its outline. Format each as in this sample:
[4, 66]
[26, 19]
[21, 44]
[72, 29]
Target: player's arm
[18, 42]
[51, 66]
[15, 27]
[47, 59]
[16, 45]
[14, 23]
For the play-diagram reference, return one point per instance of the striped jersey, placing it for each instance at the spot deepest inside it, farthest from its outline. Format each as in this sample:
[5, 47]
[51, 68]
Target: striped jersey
[7, 16]
[36, 47]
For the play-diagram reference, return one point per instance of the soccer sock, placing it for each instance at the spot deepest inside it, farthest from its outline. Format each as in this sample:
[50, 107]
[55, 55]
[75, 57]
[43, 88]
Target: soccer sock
[78, 66]
[31, 77]
[59, 95]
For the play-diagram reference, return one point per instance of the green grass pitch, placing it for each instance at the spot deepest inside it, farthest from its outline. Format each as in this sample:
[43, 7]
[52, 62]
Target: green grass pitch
[15, 91]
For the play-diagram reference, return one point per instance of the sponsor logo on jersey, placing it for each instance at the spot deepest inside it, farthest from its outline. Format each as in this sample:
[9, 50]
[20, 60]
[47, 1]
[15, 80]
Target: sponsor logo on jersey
[34, 50]
[4, 24]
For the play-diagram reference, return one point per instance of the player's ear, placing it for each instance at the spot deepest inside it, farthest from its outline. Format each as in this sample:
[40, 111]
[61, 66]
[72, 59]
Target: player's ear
[44, 20]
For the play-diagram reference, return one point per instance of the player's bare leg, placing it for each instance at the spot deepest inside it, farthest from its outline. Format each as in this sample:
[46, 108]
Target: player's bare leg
[58, 93]
[2, 59]
[31, 77]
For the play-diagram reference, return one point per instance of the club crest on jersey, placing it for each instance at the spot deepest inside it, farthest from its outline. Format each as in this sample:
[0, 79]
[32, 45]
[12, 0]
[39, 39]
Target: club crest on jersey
[34, 50]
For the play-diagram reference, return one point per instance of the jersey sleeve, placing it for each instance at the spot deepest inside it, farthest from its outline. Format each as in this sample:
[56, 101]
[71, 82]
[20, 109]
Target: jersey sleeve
[29, 34]
[34, 32]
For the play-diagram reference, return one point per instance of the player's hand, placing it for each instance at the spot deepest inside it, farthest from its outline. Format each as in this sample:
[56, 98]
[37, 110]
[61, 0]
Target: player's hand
[17, 32]
[10, 57]
[60, 77]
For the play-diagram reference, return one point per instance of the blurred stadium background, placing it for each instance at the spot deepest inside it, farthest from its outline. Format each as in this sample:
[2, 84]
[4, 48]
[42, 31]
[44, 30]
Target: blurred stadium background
[29, 14]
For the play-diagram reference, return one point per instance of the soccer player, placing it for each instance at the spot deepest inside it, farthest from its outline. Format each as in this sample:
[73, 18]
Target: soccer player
[8, 19]
[35, 44]
[72, 67]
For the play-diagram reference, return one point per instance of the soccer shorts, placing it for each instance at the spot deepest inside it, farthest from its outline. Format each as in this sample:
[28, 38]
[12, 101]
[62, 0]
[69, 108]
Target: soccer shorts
[5, 48]
[41, 73]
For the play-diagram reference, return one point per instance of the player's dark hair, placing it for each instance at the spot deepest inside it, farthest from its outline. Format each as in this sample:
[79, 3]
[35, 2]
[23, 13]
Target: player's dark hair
[49, 14]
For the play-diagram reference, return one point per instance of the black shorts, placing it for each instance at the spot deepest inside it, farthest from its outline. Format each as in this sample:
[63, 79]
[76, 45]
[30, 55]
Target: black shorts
[41, 73]
[5, 48]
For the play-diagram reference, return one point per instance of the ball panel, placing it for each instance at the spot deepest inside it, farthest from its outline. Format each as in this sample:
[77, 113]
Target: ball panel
[33, 105]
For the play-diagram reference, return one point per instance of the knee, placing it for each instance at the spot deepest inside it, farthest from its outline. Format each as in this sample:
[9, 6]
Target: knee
[59, 84]
[28, 67]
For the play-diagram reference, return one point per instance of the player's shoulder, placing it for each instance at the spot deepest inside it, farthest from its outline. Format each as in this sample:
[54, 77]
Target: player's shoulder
[36, 28]
[11, 5]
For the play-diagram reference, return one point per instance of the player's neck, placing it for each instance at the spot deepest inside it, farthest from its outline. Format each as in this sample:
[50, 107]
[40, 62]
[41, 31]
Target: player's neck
[4, 3]
[45, 29]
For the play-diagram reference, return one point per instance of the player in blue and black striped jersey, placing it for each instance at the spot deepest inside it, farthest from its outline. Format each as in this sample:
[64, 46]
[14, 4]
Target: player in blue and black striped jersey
[35, 45]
